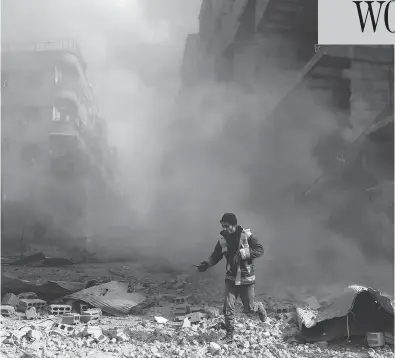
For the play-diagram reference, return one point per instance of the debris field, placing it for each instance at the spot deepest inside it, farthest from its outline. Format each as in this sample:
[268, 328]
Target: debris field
[171, 314]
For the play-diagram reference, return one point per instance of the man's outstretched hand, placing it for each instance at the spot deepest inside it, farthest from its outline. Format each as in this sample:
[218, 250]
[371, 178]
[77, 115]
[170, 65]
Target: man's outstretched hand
[203, 266]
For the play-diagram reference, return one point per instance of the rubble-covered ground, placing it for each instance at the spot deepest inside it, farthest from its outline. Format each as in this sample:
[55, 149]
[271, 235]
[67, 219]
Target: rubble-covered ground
[142, 336]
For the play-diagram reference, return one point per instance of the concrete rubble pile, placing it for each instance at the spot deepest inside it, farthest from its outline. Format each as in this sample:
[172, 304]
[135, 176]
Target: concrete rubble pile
[186, 322]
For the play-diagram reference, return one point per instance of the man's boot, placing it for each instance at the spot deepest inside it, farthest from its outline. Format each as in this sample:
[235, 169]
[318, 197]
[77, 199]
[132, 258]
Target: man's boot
[228, 339]
[261, 312]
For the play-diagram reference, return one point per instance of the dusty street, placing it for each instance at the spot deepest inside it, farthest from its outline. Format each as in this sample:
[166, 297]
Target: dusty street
[145, 337]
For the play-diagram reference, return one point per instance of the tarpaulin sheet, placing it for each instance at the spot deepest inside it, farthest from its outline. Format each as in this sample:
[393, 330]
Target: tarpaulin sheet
[111, 297]
[340, 305]
[13, 284]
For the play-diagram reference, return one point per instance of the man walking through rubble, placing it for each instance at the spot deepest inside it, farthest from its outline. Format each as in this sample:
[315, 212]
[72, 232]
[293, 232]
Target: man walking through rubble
[240, 248]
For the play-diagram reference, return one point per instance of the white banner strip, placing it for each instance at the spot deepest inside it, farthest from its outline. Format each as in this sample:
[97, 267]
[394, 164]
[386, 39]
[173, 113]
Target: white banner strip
[347, 22]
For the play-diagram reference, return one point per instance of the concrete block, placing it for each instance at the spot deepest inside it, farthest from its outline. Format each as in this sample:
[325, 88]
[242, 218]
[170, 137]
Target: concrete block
[64, 328]
[90, 314]
[24, 304]
[71, 318]
[375, 339]
[84, 306]
[181, 310]
[59, 309]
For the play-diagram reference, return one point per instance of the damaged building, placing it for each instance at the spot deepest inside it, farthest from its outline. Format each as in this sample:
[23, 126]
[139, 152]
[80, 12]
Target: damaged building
[58, 167]
[273, 44]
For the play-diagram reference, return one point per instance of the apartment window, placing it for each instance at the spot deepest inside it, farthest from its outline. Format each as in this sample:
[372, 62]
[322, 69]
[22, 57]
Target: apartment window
[60, 114]
[55, 114]
[58, 75]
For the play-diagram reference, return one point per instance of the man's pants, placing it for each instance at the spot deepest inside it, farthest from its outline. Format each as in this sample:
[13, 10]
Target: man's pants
[247, 296]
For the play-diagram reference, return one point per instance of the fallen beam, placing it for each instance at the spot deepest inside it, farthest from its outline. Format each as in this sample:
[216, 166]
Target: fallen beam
[298, 79]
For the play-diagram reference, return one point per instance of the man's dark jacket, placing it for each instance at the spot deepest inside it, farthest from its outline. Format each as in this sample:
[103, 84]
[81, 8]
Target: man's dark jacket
[229, 246]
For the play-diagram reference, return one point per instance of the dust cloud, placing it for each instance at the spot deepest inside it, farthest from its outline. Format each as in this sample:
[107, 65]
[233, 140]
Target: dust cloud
[184, 159]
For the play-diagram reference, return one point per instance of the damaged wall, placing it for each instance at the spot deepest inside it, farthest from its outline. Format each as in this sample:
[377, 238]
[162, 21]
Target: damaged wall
[325, 110]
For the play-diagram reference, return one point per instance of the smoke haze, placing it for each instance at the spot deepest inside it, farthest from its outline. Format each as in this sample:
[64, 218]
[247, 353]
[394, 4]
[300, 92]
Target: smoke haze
[183, 163]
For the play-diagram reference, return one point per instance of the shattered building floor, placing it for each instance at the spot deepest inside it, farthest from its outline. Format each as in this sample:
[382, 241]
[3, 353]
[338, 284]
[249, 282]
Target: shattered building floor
[163, 325]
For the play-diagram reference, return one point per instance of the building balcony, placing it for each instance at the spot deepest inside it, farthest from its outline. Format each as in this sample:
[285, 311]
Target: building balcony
[42, 87]
[69, 75]
[63, 46]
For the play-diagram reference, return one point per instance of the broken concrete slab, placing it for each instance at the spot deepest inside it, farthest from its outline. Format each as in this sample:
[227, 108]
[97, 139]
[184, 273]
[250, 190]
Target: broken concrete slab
[7, 310]
[111, 297]
[46, 289]
[10, 299]
[372, 310]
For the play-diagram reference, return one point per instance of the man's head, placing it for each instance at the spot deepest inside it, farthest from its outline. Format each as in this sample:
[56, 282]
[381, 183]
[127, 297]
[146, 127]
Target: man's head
[229, 222]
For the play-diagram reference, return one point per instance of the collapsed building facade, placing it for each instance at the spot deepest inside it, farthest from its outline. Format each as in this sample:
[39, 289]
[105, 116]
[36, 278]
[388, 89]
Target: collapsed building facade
[274, 44]
[58, 168]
